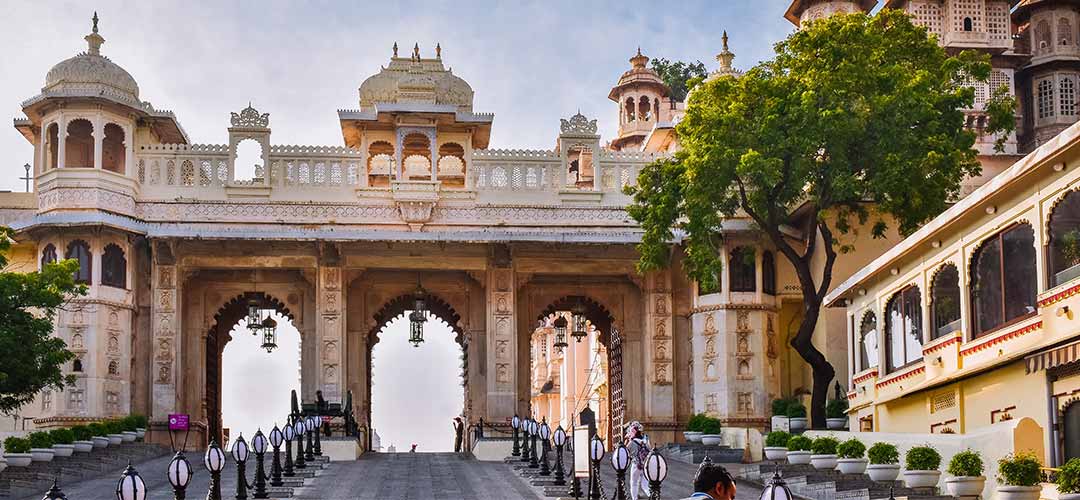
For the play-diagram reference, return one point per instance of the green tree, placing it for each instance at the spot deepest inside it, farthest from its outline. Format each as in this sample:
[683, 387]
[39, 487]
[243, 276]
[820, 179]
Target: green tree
[679, 76]
[30, 357]
[856, 119]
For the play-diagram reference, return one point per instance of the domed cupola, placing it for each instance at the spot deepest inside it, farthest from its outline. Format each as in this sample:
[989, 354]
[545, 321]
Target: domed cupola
[414, 80]
[91, 74]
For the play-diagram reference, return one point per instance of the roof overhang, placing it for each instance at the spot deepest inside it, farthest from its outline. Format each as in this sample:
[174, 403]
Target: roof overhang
[659, 137]
[798, 6]
[354, 121]
[163, 122]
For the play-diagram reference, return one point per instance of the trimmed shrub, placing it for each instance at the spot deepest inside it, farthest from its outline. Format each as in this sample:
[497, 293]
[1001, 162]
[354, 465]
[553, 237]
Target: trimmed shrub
[696, 422]
[825, 445]
[1021, 469]
[113, 426]
[799, 443]
[97, 429]
[1068, 478]
[796, 410]
[39, 439]
[62, 436]
[852, 448]
[922, 458]
[711, 426]
[82, 432]
[777, 439]
[16, 445]
[836, 408]
[966, 463]
[780, 407]
[883, 454]
[141, 422]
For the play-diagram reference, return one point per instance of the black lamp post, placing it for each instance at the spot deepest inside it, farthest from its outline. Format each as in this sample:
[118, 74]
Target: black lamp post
[655, 471]
[130, 486]
[525, 439]
[534, 431]
[54, 493]
[240, 456]
[545, 444]
[777, 490]
[214, 460]
[318, 421]
[298, 429]
[560, 439]
[179, 473]
[309, 429]
[620, 461]
[596, 454]
[515, 423]
[276, 438]
[258, 445]
[289, 434]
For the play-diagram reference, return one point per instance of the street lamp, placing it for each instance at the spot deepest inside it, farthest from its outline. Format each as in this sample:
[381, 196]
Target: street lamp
[525, 439]
[515, 423]
[655, 471]
[620, 461]
[276, 438]
[130, 486]
[269, 332]
[179, 473]
[298, 429]
[240, 456]
[214, 460]
[778, 490]
[419, 315]
[309, 429]
[545, 434]
[317, 419]
[596, 454]
[560, 440]
[289, 434]
[54, 493]
[560, 333]
[578, 315]
[534, 431]
[258, 445]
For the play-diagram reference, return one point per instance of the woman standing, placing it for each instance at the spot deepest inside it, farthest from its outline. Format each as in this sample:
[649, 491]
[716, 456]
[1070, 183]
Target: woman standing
[638, 445]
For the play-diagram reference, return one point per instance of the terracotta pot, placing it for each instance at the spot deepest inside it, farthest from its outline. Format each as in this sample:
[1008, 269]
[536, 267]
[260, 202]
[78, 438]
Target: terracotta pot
[692, 436]
[798, 457]
[835, 424]
[967, 486]
[18, 459]
[711, 439]
[83, 446]
[42, 454]
[100, 441]
[921, 478]
[883, 472]
[63, 450]
[775, 453]
[1018, 492]
[115, 438]
[798, 424]
[823, 462]
[851, 465]
[129, 436]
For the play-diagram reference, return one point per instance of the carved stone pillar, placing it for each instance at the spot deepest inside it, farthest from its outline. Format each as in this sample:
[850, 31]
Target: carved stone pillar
[99, 139]
[502, 345]
[330, 332]
[165, 324]
[61, 142]
[658, 339]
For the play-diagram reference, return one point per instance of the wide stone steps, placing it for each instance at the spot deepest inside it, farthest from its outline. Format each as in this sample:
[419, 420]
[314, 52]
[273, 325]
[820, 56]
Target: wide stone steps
[808, 482]
[38, 476]
[695, 453]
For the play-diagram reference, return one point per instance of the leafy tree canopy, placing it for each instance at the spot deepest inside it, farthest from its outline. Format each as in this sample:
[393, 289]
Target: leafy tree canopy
[30, 357]
[679, 76]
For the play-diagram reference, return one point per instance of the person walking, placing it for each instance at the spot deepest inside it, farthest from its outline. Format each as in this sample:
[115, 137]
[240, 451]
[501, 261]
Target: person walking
[459, 434]
[713, 482]
[638, 445]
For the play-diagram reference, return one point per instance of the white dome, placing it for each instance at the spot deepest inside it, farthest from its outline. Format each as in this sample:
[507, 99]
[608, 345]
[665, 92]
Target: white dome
[416, 80]
[85, 71]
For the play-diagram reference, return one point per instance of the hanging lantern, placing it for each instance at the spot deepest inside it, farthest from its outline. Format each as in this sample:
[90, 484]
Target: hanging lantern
[560, 333]
[578, 316]
[418, 317]
[254, 317]
[269, 332]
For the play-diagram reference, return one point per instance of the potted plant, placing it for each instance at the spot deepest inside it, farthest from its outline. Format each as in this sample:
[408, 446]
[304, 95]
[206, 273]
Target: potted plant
[140, 425]
[921, 467]
[63, 442]
[884, 462]
[693, 428]
[1068, 480]
[41, 446]
[966, 468]
[711, 432]
[779, 413]
[852, 458]
[98, 433]
[83, 439]
[824, 453]
[1018, 477]
[114, 431]
[796, 413]
[836, 414]
[17, 452]
[776, 445]
[799, 450]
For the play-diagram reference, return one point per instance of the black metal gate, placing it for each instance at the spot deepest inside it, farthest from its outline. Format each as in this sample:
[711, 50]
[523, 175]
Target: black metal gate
[617, 405]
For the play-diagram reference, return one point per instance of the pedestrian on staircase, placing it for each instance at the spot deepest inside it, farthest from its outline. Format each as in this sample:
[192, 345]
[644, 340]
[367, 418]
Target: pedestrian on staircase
[459, 433]
[638, 445]
[713, 482]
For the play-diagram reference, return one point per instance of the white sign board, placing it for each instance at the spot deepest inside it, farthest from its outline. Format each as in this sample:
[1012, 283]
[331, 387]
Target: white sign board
[581, 451]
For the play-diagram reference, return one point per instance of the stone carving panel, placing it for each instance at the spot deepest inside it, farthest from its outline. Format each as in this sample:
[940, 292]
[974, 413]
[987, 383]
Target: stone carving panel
[502, 373]
[712, 403]
[742, 321]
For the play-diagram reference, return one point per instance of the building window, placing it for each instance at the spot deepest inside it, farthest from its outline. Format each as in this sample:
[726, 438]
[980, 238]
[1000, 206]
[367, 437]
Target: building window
[1065, 239]
[114, 267]
[1042, 36]
[945, 301]
[1065, 35]
[868, 341]
[741, 270]
[768, 273]
[1003, 279]
[967, 24]
[48, 255]
[76, 366]
[80, 251]
[79, 144]
[903, 328]
[1046, 98]
[1067, 95]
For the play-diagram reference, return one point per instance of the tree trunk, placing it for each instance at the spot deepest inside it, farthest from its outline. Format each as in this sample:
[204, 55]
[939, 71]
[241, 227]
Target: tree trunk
[823, 371]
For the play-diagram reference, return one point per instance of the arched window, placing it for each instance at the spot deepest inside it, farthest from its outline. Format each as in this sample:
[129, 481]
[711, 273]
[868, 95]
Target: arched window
[945, 301]
[630, 109]
[114, 267]
[768, 273]
[79, 145]
[1045, 97]
[451, 160]
[1067, 94]
[1003, 278]
[868, 341]
[741, 270]
[644, 109]
[416, 151]
[48, 255]
[1065, 239]
[80, 251]
[967, 24]
[113, 156]
[52, 148]
[76, 366]
[903, 328]
[1042, 36]
[1065, 34]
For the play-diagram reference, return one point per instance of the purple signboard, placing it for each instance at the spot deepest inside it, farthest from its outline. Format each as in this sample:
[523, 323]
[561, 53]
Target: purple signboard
[178, 421]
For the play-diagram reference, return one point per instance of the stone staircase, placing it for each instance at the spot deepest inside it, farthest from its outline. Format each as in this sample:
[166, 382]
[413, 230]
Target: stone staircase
[694, 453]
[299, 478]
[808, 482]
[38, 476]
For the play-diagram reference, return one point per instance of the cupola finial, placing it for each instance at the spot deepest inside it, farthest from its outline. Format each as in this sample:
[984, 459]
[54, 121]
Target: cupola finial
[94, 40]
[438, 50]
[725, 57]
[416, 51]
[395, 49]
[95, 19]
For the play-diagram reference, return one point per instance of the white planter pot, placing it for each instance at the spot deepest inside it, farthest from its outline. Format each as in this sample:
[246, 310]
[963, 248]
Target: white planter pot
[780, 423]
[835, 424]
[63, 450]
[798, 457]
[851, 465]
[967, 486]
[129, 436]
[823, 462]
[883, 472]
[1069, 496]
[691, 435]
[42, 454]
[115, 438]
[711, 439]
[3, 464]
[798, 424]
[775, 453]
[100, 441]
[140, 432]
[921, 478]
[18, 459]
[83, 446]
[1018, 492]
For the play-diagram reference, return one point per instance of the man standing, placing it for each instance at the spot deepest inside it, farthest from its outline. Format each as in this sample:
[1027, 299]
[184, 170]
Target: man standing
[638, 445]
[459, 433]
[713, 482]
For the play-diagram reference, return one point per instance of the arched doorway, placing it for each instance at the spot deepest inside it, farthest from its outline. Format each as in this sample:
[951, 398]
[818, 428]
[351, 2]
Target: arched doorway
[415, 391]
[227, 318]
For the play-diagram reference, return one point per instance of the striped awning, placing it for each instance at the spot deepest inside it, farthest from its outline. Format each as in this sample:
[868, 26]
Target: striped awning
[1052, 357]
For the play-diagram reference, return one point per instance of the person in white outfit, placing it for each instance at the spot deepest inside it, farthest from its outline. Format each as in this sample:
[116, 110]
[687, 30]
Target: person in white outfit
[638, 446]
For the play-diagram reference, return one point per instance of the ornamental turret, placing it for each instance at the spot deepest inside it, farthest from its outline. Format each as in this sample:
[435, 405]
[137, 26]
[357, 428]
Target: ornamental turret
[1048, 82]
[643, 101]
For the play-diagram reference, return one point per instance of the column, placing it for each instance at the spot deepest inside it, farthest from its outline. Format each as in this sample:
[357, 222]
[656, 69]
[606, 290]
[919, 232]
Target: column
[658, 347]
[502, 345]
[330, 333]
[61, 142]
[397, 156]
[434, 156]
[130, 169]
[164, 324]
[99, 139]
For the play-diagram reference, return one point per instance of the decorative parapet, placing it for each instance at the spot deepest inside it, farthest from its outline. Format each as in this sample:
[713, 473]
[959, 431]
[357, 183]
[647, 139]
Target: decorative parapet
[295, 150]
[415, 200]
[1002, 337]
[941, 345]
[184, 148]
[864, 377]
[515, 154]
[1059, 296]
[901, 376]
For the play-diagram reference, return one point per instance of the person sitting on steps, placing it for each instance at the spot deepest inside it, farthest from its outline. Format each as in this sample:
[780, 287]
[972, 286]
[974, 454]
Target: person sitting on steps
[713, 482]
